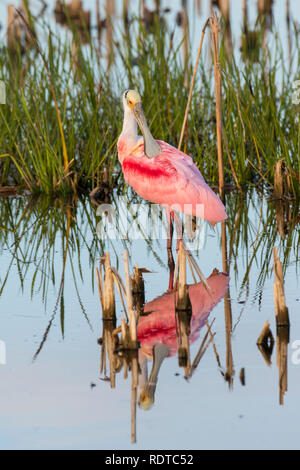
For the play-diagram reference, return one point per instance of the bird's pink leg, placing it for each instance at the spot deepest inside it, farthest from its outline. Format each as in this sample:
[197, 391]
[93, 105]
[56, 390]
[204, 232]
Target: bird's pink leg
[171, 263]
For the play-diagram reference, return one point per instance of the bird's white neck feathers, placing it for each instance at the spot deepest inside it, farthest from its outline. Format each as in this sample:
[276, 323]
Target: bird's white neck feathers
[129, 138]
[129, 124]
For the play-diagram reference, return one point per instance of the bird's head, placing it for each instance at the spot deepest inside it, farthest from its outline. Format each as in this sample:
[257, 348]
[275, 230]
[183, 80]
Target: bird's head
[132, 103]
[130, 99]
[145, 400]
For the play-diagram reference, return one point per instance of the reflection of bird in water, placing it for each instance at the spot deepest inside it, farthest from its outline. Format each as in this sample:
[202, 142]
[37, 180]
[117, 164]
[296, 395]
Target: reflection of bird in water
[157, 330]
[161, 173]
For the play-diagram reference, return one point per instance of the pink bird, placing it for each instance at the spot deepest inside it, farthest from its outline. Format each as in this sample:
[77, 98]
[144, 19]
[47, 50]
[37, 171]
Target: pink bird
[159, 172]
[162, 174]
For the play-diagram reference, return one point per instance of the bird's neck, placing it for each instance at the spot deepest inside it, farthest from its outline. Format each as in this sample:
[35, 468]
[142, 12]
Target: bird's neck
[129, 125]
[128, 139]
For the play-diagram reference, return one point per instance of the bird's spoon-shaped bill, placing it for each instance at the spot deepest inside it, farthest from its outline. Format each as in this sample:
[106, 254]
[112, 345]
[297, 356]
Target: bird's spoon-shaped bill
[151, 147]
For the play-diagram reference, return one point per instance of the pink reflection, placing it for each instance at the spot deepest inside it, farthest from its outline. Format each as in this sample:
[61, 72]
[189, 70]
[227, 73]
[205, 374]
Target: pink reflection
[159, 326]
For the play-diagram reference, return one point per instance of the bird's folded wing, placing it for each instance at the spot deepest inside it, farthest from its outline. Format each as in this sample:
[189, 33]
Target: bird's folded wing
[172, 179]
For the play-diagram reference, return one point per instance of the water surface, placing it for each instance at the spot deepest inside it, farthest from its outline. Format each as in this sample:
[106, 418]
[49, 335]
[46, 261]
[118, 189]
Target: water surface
[51, 402]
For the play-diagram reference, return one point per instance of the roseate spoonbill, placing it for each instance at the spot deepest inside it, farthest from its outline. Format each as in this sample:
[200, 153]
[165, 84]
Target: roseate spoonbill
[161, 173]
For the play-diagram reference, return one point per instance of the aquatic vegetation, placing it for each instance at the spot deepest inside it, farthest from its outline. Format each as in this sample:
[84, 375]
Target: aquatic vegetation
[35, 233]
[261, 121]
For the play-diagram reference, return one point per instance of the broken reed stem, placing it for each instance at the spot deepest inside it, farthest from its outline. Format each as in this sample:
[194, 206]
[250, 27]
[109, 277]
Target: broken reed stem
[281, 180]
[183, 299]
[123, 330]
[100, 284]
[281, 310]
[134, 384]
[265, 335]
[283, 324]
[121, 288]
[183, 312]
[110, 346]
[265, 343]
[242, 376]
[182, 274]
[131, 315]
[192, 270]
[192, 86]
[281, 360]
[194, 267]
[137, 281]
[109, 31]
[138, 291]
[185, 30]
[215, 27]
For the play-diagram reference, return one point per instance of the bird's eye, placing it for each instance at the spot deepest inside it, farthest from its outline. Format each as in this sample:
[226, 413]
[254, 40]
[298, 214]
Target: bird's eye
[130, 102]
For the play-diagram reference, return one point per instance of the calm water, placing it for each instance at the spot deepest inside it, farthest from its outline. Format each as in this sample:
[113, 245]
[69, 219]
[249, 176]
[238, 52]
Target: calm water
[57, 399]
[50, 402]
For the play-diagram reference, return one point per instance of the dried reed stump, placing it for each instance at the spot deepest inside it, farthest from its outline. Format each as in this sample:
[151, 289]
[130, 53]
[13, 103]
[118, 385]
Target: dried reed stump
[138, 290]
[281, 310]
[282, 184]
[183, 311]
[265, 343]
[109, 307]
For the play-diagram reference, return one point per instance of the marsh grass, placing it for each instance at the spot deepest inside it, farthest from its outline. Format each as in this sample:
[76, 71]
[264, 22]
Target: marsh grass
[35, 233]
[260, 121]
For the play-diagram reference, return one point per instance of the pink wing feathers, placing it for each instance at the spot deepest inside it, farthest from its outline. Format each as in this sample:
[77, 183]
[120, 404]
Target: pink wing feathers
[172, 179]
